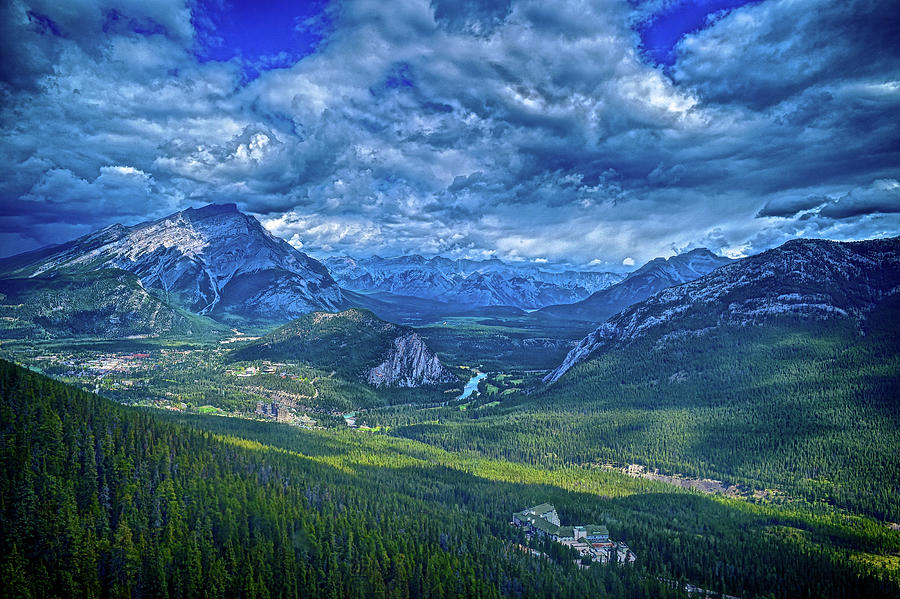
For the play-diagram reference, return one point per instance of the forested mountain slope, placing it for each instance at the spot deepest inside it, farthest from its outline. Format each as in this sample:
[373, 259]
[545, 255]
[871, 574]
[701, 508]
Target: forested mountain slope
[108, 303]
[99, 500]
[807, 408]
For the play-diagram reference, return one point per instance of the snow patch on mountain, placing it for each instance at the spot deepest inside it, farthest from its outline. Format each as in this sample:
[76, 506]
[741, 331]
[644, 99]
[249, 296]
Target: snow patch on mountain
[467, 282]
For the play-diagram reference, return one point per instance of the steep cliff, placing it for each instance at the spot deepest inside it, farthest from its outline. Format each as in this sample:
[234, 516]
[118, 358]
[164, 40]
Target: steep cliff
[409, 363]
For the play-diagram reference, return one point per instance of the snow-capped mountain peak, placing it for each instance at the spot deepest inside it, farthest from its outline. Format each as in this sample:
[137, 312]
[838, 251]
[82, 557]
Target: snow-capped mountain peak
[208, 259]
[467, 283]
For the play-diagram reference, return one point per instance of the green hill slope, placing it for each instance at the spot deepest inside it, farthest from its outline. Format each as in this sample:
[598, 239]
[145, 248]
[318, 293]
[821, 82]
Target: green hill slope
[99, 500]
[348, 342]
[810, 408]
[107, 303]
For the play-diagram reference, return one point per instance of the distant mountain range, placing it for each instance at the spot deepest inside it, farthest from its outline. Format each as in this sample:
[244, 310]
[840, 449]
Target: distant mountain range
[467, 283]
[804, 279]
[651, 278]
[356, 344]
[214, 264]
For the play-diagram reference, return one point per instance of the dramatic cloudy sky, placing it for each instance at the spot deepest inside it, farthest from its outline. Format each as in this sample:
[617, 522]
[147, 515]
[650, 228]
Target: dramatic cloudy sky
[590, 133]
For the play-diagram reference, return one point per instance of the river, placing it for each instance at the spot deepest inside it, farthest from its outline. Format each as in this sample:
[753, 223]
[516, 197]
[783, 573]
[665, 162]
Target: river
[472, 386]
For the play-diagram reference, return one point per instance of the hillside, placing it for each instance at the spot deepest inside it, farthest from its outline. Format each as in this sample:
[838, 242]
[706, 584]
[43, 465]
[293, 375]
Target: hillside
[807, 410]
[169, 505]
[212, 260]
[654, 276]
[108, 303]
[780, 372]
[356, 344]
[153, 508]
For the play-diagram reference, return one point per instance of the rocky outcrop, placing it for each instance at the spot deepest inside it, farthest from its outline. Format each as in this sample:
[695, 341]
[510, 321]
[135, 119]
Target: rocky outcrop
[355, 344]
[810, 279]
[409, 363]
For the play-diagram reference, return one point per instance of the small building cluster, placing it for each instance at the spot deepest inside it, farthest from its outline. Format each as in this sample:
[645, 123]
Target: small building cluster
[589, 540]
[284, 413]
[267, 409]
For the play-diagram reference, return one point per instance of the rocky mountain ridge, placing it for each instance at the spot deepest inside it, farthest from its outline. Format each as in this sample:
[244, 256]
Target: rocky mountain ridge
[212, 260]
[802, 279]
[652, 277]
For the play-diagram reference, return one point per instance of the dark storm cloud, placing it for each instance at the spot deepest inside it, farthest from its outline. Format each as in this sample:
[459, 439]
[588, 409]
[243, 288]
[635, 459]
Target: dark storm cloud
[789, 206]
[521, 129]
[475, 16]
[882, 197]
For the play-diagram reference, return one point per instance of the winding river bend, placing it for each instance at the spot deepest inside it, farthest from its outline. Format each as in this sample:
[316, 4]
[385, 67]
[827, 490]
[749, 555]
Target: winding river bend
[472, 386]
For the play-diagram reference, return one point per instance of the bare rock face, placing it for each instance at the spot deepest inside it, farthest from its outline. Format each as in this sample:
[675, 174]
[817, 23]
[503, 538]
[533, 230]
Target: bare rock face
[409, 363]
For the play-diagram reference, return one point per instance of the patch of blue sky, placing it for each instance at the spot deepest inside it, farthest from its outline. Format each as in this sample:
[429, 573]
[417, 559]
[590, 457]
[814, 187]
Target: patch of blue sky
[661, 33]
[262, 35]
